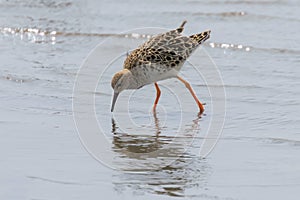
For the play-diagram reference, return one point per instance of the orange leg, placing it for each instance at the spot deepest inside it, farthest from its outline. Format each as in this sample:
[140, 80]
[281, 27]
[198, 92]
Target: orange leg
[188, 86]
[157, 96]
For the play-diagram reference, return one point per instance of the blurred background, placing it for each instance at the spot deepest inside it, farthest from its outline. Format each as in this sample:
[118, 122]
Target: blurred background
[255, 45]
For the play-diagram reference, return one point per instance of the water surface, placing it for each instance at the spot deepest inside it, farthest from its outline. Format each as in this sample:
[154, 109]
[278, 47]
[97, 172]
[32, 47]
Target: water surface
[255, 45]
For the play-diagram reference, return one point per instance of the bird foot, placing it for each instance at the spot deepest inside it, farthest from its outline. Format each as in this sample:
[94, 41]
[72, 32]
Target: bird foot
[200, 114]
[154, 109]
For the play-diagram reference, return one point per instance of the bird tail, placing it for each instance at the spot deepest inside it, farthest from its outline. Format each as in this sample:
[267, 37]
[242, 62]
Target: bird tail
[181, 27]
[201, 37]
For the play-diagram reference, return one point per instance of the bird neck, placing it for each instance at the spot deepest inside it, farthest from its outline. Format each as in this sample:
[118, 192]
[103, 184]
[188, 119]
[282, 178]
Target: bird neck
[133, 83]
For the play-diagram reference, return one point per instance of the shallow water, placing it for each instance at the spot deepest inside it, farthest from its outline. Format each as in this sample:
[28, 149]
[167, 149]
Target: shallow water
[255, 45]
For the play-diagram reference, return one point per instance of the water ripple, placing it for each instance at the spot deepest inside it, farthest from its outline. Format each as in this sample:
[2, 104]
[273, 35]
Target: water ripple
[37, 4]
[55, 181]
[37, 35]
[247, 2]
[17, 79]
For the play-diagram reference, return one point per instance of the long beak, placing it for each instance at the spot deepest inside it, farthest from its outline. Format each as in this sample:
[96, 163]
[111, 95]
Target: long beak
[114, 101]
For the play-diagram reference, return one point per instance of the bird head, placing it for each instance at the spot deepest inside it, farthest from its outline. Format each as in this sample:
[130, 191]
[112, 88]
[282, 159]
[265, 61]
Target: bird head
[120, 81]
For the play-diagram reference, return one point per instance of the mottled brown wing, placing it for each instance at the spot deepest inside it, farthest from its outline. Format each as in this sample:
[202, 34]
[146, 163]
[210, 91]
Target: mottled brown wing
[149, 50]
[169, 52]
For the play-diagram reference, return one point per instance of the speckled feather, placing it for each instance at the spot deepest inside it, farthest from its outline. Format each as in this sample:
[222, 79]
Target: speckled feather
[165, 51]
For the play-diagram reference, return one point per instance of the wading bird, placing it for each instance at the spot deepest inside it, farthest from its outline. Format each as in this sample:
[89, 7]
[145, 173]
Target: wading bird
[160, 58]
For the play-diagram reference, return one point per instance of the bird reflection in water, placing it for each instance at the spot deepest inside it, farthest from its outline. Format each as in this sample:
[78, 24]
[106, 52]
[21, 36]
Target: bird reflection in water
[140, 172]
[137, 143]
